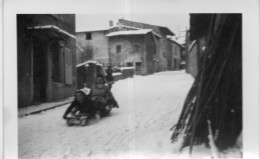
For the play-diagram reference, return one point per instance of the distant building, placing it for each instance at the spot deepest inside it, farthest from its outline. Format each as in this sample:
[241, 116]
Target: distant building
[92, 45]
[46, 57]
[176, 57]
[163, 45]
[143, 46]
[133, 48]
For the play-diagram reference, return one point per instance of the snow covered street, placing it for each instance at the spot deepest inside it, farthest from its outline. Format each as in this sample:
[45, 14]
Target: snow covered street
[149, 107]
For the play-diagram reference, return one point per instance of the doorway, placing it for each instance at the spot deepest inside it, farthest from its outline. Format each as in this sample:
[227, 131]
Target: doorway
[39, 71]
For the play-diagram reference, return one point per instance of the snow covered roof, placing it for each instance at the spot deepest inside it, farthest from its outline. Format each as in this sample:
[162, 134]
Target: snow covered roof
[99, 64]
[86, 63]
[130, 32]
[92, 29]
[117, 73]
[130, 27]
[121, 25]
[163, 30]
[53, 27]
[104, 28]
[126, 68]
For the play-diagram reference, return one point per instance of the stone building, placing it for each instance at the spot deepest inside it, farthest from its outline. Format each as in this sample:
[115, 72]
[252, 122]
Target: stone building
[126, 44]
[176, 57]
[92, 45]
[133, 48]
[162, 43]
[46, 57]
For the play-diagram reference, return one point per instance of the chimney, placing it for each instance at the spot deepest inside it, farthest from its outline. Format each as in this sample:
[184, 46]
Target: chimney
[110, 23]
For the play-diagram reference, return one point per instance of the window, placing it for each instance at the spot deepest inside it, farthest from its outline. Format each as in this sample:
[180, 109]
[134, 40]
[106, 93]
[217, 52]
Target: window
[136, 48]
[118, 48]
[88, 36]
[129, 64]
[68, 66]
[61, 65]
[57, 63]
[138, 66]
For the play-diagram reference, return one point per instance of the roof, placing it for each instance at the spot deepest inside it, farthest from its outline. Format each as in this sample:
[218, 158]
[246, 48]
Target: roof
[92, 29]
[130, 27]
[121, 25]
[86, 63]
[117, 73]
[130, 32]
[104, 28]
[55, 28]
[164, 30]
[126, 68]
[133, 32]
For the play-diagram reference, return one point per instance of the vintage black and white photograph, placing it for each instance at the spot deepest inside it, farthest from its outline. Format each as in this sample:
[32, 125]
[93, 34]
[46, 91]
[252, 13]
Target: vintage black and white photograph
[130, 85]
[120, 89]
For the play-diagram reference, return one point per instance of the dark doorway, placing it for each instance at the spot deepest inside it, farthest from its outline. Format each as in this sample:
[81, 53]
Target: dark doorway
[138, 68]
[175, 64]
[129, 64]
[39, 71]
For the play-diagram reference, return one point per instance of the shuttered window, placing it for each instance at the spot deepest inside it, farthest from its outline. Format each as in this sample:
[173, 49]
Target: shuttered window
[88, 36]
[118, 48]
[57, 64]
[68, 66]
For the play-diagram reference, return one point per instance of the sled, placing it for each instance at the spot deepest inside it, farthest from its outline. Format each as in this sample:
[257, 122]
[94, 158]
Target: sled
[85, 119]
[107, 110]
[79, 120]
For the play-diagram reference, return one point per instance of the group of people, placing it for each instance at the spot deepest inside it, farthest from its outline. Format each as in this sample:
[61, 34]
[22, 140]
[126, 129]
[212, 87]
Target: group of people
[93, 100]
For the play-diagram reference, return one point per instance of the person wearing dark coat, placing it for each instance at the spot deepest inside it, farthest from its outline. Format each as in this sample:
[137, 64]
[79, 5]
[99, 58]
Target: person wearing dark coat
[101, 93]
[82, 104]
[109, 77]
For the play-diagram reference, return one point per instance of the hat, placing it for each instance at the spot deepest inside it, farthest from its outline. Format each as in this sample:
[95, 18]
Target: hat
[84, 90]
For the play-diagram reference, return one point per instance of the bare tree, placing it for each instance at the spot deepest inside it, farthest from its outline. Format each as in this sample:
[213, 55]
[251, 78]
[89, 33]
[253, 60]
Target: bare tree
[87, 53]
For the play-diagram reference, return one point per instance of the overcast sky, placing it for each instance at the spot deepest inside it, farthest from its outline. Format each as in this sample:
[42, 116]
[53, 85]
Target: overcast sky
[177, 23]
[147, 11]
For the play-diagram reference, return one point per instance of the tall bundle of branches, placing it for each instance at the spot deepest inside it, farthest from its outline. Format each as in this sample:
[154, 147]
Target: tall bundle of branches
[216, 94]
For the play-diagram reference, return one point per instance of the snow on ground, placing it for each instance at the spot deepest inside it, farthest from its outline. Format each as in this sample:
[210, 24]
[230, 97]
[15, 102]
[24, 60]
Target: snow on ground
[149, 107]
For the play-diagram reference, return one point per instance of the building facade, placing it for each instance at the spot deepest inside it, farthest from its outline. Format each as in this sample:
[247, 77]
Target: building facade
[177, 50]
[133, 48]
[126, 44]
[92, 45]
[46, 57]
[162, 44]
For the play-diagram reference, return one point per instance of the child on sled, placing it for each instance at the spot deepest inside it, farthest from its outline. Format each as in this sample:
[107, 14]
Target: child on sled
[82, 104]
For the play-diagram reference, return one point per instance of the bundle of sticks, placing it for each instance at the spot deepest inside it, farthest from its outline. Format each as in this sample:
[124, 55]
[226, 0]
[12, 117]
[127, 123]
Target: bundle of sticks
[216, 94]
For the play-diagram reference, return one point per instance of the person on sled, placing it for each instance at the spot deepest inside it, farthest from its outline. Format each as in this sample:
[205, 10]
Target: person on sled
[101, 94]
[109, 77]
[82, 104]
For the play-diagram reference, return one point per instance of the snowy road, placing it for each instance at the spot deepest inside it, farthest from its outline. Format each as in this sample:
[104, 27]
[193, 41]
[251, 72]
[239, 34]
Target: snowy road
[149, 106]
